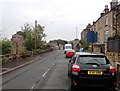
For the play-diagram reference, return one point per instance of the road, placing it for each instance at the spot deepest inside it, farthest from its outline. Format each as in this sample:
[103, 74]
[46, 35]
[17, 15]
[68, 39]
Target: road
[50, 72]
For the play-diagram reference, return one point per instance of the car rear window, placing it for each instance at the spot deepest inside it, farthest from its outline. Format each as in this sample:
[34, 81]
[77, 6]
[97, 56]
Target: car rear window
[68, 47]
[92, 59]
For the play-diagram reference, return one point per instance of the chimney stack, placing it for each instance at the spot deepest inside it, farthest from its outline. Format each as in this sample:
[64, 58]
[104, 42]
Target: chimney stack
[113, 3]
[106, 9]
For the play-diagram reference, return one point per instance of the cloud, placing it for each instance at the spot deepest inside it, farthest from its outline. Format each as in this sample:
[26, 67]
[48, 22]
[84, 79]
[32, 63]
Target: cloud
[60, 17]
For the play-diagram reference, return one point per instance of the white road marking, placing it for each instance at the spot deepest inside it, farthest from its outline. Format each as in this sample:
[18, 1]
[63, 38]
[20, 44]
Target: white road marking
[42, 76]
[32, 88]
[46, 72]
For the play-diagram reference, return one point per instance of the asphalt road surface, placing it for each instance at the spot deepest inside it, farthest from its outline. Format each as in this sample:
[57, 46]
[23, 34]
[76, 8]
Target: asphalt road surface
[47, 74]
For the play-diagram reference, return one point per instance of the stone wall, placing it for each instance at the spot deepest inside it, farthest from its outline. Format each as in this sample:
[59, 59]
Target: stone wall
[113, 57]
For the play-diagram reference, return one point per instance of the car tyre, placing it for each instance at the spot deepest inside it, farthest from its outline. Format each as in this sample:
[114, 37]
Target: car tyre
[113, 89]
[73, 87]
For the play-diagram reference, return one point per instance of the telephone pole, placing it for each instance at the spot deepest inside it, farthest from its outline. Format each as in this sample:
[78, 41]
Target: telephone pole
[35, 35]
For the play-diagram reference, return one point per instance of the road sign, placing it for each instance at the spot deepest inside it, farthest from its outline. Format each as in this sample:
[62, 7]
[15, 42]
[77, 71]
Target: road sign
[92, 37]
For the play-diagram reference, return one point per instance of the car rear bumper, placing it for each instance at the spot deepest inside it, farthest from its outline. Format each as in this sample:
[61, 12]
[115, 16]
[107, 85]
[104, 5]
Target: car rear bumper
[108, 82]
[69, 55]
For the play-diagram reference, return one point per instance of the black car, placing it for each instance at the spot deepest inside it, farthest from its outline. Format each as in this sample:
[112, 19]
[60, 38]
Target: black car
[92, 70]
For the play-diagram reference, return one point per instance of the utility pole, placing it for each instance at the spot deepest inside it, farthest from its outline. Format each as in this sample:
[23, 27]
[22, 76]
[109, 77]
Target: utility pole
[35, 35]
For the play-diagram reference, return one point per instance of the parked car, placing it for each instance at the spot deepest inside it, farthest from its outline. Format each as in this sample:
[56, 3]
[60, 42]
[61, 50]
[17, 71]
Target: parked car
[70, 53]
[92, 70]
[71, 62]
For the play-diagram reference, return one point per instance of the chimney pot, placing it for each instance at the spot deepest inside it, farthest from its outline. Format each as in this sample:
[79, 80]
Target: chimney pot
[106, 9]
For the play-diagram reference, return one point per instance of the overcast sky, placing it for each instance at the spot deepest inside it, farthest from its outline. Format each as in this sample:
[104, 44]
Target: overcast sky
[60, 17]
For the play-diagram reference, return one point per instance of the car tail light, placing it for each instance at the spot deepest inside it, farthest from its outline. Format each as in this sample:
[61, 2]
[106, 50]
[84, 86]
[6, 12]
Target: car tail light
[112, 69]
[76, 68]
[73, 53]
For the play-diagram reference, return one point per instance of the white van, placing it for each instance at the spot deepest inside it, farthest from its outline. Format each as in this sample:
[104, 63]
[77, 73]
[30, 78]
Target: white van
[67, 47]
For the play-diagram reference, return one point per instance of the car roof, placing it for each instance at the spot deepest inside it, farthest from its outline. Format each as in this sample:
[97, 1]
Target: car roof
[88, 53]
[68, 44]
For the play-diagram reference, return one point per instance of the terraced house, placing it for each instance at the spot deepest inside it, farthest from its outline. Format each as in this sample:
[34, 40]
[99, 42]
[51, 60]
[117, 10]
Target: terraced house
[107, 27]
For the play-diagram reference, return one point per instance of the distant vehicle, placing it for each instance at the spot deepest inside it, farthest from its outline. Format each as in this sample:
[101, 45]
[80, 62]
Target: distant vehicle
[70, 53]
[67, 47]
[94, 70]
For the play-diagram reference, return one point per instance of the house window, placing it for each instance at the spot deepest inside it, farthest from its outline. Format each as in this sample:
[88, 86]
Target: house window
[106, 21]
[106, 35]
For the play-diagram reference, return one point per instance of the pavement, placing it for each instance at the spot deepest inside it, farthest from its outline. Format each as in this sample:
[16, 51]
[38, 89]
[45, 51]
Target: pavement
[19, 63]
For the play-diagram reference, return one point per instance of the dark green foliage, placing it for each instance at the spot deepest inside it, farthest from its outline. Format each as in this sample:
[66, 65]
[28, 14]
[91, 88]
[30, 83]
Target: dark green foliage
[5, 45]
[114, 37]
[29, 44]
[84, 44]
[28, 34]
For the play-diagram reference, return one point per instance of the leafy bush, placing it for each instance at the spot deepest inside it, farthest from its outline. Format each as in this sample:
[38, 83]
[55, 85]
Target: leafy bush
[114, 37]
[5, 45]
[84, 44]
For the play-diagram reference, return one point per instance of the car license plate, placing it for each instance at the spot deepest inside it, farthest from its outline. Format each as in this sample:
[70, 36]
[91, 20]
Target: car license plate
[95, 72]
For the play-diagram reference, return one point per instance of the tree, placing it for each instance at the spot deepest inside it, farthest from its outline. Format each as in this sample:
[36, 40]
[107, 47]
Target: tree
[84, 44]
[27, 31]
[32, 35]
[59, 41]
[28, 35]
[5, 45]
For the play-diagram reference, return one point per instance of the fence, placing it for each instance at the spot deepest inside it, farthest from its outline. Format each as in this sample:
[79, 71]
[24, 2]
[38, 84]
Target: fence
[113, 46]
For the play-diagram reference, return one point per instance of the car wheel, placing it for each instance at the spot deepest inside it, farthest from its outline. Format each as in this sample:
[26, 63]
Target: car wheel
[113, 89]
[73, 87]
